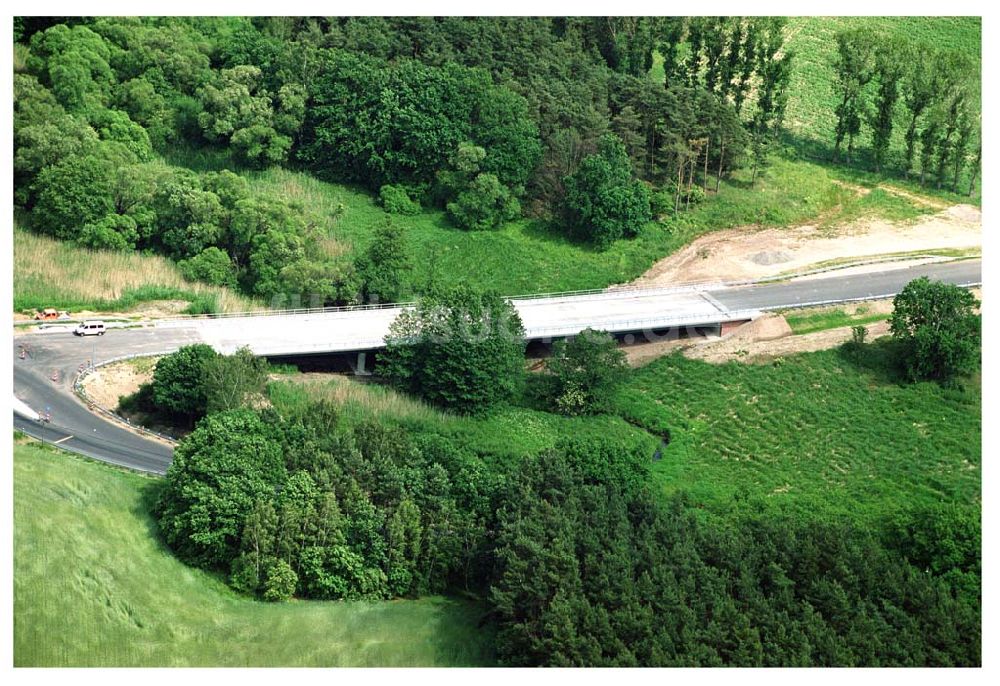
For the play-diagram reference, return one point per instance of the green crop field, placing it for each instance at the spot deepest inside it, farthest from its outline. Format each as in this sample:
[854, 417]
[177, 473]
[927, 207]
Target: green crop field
[93, 586]
[812, 432]
[810, 114]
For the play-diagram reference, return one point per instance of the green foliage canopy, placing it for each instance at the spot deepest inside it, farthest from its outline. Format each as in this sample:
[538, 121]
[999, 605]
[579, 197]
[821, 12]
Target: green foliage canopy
[938, 328]
[587, 369]
[178, 381]
[457, 348]
[603, 203]
[218, 473]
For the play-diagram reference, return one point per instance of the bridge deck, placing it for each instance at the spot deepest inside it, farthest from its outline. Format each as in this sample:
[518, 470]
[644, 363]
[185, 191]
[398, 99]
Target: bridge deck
[553, 317]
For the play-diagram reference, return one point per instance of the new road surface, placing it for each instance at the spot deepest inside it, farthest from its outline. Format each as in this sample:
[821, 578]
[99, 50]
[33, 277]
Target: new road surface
[47, 363]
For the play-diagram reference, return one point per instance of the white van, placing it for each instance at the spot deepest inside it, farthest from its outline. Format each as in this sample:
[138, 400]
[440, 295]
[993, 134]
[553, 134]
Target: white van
[91, 328]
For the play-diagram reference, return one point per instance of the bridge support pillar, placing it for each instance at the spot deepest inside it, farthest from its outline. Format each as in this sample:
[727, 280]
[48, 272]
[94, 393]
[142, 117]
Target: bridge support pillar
[359, 368]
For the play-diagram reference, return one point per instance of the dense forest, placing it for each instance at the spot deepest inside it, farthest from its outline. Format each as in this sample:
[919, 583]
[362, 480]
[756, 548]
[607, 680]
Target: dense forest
[581, 563]
[486, 118]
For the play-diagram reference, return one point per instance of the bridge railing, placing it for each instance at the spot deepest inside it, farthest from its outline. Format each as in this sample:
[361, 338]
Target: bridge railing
[595, 293]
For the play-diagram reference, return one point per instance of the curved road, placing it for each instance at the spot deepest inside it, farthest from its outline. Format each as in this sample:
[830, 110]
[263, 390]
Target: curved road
[44, 378]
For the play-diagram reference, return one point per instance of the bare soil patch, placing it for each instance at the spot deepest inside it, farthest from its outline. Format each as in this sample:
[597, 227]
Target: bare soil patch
[769, 337]
[924, 200]
[111, 382]
[757, 351]
[753, 253]
[639, 354]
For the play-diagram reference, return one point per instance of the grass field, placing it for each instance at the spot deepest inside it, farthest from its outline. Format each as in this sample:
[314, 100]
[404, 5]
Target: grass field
[51, 273]
[812, 432]
[93, 586]
[816, 431]
[528, 257]
[808, 322]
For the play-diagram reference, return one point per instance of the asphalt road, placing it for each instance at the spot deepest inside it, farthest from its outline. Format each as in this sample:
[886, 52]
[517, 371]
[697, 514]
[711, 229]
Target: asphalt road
[44, 378]
[44, 381]
[776, 296]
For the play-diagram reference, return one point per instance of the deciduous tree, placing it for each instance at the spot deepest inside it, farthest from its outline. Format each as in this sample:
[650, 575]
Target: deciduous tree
[459, 349]
[587, 370]
[936, 324]
[603, 203]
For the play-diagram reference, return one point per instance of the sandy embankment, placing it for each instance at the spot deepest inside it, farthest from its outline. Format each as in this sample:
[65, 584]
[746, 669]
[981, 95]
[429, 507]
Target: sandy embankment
[753, 253]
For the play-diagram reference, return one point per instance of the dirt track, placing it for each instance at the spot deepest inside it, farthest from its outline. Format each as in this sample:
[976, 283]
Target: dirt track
[752, 253]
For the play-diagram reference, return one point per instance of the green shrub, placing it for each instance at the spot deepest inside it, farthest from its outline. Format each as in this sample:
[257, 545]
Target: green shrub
[661, 202]
[384, 267]
[178, 385]
[140, 401]
[245, 574]
[485, 204]
[211, 265]
[280, 581]
[205, 303]
[395, 200]
[114, 232]
[587, 368]
[858, 335]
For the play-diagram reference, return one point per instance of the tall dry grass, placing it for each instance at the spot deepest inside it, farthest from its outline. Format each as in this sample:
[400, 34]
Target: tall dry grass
[356, 398]
[50, 273]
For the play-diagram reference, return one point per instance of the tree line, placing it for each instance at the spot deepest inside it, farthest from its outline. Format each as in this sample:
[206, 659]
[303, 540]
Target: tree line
[886, 84]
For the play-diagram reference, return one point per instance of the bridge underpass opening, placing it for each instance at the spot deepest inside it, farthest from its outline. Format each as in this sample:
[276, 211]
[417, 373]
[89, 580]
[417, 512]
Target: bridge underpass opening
[542, 348]
[356, 362]
[364, 362]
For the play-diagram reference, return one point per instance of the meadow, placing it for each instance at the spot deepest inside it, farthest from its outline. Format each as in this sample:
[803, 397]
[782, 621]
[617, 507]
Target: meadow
[529, 256]
[79, 601]
[832, 432]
